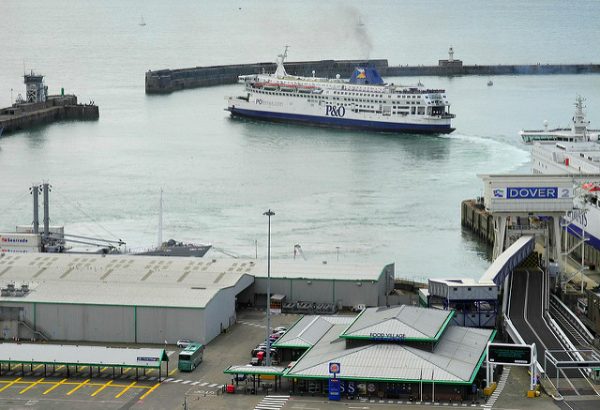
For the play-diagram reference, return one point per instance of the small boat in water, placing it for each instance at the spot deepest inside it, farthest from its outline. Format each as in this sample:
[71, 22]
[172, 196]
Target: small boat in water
[173, 247]
[490, 83]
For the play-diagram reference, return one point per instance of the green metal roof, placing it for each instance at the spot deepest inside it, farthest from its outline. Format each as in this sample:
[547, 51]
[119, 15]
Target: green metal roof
[254, 370]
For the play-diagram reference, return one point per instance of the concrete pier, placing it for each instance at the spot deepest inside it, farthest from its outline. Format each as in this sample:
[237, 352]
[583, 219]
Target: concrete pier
[21, 116]
[167, 81]
[474, 216]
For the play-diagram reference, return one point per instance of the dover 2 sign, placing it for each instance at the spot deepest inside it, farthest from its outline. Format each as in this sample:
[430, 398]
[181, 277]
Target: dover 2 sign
[532, 193]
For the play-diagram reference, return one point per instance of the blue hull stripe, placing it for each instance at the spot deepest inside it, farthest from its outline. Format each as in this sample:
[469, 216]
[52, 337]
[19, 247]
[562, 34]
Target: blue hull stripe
[591, 239]
[343, 122]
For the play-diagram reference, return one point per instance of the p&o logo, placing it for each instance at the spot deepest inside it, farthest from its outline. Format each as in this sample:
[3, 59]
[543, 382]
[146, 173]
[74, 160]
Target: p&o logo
[335, 111]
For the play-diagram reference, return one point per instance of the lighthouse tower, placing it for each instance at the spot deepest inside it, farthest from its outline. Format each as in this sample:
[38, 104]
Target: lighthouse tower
[36, 91]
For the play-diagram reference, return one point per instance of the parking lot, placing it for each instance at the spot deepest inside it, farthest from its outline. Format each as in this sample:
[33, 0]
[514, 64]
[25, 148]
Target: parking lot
[29, 388]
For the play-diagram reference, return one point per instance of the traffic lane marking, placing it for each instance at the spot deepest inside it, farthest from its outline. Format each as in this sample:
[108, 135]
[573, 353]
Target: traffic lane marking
[150, 391]
[66, 382]
[31, 385]
[172, 372]
[10, 384]
[104, 386]
[63, 381]
[125, 389]
[80, 385]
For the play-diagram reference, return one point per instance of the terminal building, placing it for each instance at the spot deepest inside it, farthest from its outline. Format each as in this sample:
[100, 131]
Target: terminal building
[144, 299]
[400, 352]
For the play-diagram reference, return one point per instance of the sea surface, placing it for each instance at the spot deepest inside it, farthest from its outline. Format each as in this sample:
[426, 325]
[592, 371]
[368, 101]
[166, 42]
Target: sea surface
[352, 197]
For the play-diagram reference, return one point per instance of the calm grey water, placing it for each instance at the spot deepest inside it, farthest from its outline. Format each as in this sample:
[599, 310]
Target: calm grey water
[366, 197]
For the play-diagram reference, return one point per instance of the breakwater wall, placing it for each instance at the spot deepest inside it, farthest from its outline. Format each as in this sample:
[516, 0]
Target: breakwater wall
[511, 69]
[167, 81]
[22, 116]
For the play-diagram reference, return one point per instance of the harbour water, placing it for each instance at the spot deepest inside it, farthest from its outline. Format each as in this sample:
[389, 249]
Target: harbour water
[352, 196]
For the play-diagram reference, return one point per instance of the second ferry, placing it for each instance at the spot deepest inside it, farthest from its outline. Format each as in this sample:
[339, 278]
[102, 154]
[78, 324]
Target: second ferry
[363, 102]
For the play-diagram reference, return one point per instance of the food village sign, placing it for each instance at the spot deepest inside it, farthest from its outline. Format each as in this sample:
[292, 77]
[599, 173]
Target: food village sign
[387, 337]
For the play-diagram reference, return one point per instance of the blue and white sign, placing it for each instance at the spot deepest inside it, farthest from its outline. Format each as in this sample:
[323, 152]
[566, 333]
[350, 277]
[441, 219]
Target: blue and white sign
[334, 368]
[533, 193]
[334, 390]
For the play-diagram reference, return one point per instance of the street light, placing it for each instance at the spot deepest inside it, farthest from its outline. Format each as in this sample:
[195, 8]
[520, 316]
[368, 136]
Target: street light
[269, 213]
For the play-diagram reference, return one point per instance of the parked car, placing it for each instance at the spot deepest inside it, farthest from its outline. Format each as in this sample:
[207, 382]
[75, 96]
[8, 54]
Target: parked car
[264, 349]
[254, 361]
[279, 329]
[184, 343]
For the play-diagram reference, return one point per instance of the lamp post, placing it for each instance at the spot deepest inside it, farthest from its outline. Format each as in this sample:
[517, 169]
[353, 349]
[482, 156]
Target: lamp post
[269, 214]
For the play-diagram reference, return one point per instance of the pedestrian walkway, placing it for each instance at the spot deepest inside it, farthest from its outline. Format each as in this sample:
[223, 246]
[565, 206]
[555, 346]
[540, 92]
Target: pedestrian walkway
[499, 388]
[198, 383]
[272, 403]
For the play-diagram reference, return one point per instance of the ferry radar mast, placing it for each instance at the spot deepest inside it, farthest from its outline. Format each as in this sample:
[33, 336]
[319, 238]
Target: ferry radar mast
[280, 72]
[580, 123]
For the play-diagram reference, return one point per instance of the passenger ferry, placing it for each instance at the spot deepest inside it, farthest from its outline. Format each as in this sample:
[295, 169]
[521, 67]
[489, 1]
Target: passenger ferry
[578, 131]
[363, 102]
[575, 152]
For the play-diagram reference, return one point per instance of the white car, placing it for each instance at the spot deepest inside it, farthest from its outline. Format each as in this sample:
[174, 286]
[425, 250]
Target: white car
[184, 343]
[279, 329]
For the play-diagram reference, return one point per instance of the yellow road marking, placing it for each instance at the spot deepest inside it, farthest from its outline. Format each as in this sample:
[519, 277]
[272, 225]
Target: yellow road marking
[172, 372]
[59, 367]
[150, 391]
[103, 369]
[31, 385]
[55, 386]
[125, 389]
[104, 386]
[10, 384]
[74, 389]
[127, 370]
[38, 366]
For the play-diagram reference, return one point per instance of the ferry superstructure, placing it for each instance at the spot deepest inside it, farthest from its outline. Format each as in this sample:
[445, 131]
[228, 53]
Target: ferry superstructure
[363, 102]
[574, 153]
[577, 132]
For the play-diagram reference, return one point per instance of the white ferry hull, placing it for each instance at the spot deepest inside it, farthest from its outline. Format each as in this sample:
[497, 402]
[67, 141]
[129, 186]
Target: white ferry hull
[242, 108]
[364, 102]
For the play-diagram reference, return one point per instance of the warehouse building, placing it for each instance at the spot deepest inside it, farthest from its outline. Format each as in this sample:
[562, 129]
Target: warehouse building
[336, 284]
[147, 299]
